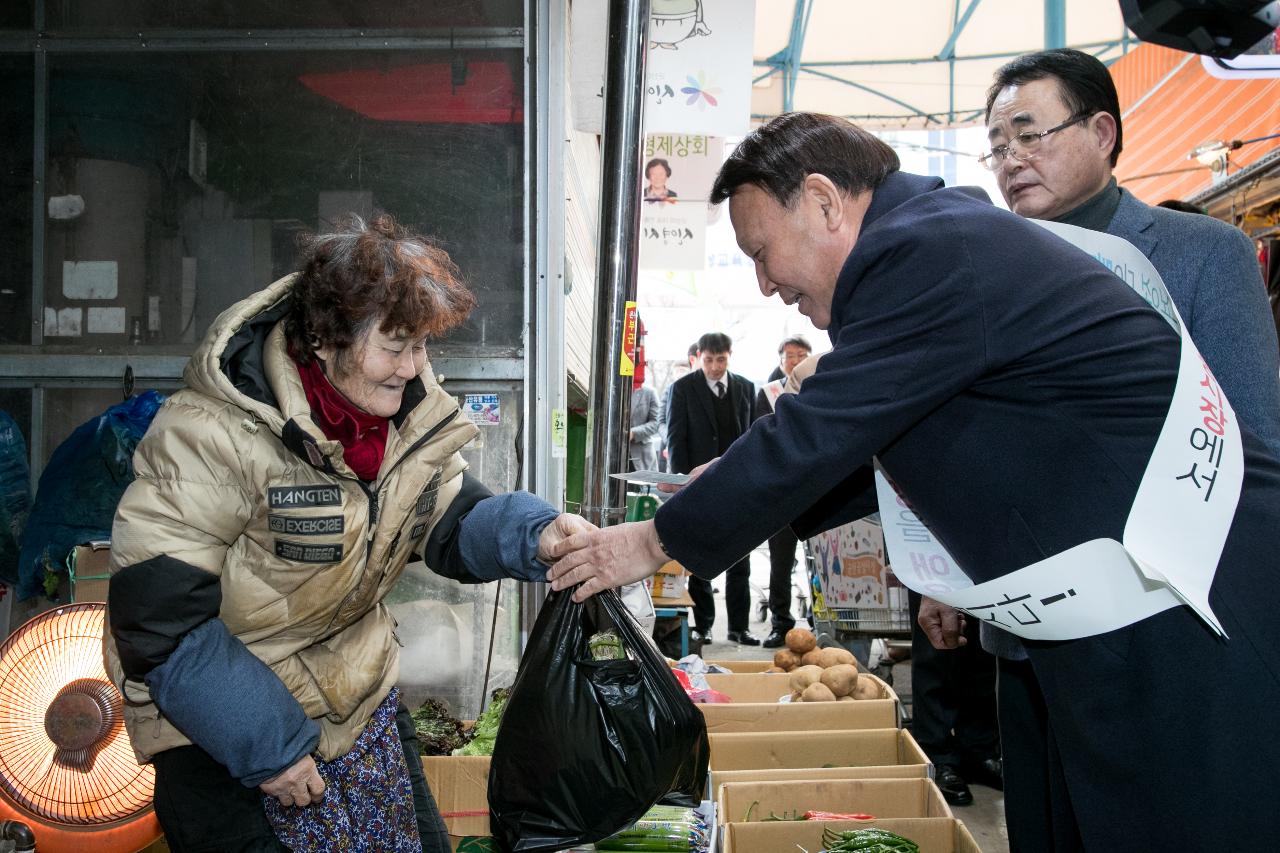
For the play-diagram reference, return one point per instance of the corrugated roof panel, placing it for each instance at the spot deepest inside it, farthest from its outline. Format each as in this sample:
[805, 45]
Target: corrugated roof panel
[1161, 127]
[1141, 69]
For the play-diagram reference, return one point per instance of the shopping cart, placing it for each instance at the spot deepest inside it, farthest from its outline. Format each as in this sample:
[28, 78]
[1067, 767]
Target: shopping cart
[854, 589]
[857, 600]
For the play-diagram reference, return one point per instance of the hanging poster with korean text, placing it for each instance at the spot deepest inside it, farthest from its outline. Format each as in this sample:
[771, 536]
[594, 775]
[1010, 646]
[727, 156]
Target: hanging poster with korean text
[676, 176]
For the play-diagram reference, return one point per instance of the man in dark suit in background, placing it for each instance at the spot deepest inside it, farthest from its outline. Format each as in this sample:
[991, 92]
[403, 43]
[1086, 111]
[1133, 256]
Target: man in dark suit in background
[710, 408]
[664, 457]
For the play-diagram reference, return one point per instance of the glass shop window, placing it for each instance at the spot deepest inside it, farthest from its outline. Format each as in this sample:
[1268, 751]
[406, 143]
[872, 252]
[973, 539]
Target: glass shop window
[16, 14]
[179, 183]
[16, 182]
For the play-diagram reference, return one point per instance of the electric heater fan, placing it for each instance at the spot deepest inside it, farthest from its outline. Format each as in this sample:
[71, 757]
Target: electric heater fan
[66, 768]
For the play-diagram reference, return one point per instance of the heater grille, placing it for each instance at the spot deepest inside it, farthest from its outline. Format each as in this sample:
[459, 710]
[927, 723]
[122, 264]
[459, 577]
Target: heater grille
[64, 754]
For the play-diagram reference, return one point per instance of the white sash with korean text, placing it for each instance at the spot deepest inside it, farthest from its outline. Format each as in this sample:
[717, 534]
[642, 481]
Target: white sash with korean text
[1175, 531]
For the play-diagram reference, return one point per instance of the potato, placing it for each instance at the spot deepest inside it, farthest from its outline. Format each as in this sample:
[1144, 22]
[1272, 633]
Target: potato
[775, 669]
[843, 655]
[813, 657]
[842, 679]
[829, 657]
[795, 696]
[866, 689]
[801, 640]
[845, 699]
[786, 659]
[818, 692]
[803, 676]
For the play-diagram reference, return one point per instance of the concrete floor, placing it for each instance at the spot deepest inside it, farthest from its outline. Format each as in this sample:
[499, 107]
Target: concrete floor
[984, 817]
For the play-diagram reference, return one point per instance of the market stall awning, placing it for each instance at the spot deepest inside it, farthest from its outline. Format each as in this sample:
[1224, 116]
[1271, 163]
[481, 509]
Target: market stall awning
[1171, 105]
[926, 63]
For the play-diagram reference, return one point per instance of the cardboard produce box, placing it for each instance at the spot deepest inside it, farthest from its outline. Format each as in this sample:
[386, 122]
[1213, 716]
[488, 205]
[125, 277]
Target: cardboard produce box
[799, 716]
[666, 586]
[91, 573]
[749, 802]
[460, 784]
[752, 686]
[837, 754]
[766, 689]
[738, 667]
[773, 686]
[669, 582]
[933, 834]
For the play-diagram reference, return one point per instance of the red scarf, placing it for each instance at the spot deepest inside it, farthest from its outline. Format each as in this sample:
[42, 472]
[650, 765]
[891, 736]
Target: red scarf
[363, 436]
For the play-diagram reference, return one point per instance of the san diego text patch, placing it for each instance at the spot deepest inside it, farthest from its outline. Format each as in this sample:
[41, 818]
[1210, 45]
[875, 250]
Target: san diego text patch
[301, 553]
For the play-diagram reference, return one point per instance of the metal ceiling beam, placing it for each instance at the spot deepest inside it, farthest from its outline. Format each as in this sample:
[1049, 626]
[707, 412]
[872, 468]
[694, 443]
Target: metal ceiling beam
[797, 49]
[951, 62]
[1055, 23]
[788, 60]
[949, 49]
[929, 119]
[922, 60]
[916, 112]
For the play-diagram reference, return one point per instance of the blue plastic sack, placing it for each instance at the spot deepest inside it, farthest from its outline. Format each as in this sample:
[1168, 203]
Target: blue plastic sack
[15, 495]
[80, 487]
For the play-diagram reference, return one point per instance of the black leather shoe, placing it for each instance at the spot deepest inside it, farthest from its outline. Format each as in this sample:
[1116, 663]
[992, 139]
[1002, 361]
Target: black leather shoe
[744, 638]
[954, 790]
[703, 637]
[776, 639]
[989, 773]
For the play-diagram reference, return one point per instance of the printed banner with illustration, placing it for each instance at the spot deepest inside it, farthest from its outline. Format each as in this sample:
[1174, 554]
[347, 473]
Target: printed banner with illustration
[676, 175]
[852, 572]
[699, 69]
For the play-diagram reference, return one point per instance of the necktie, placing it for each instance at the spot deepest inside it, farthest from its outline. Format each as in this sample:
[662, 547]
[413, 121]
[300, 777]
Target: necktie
[719, 390]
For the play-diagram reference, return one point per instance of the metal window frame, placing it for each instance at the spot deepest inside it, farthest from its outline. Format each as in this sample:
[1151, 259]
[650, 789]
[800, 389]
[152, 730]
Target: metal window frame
[545, 375]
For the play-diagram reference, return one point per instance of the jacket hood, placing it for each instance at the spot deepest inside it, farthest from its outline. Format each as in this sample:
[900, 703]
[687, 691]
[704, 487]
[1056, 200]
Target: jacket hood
[243, 361]
[230, 363]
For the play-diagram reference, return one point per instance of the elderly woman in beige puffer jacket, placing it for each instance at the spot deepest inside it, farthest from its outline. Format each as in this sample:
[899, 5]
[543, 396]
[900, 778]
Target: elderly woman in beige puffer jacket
[278, 498]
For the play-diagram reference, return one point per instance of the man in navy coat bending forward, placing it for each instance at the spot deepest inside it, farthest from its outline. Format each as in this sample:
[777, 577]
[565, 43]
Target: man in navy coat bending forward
[1014, 388]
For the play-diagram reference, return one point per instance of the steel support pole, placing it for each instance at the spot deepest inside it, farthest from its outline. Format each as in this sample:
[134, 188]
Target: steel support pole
[617, 257]
[546, 57]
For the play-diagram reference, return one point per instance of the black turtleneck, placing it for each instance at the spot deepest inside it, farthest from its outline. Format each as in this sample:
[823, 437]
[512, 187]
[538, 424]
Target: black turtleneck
[1095, 213]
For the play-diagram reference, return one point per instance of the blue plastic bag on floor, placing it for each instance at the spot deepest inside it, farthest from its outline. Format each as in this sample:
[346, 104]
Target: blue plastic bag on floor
[80, 487]
[15, 495]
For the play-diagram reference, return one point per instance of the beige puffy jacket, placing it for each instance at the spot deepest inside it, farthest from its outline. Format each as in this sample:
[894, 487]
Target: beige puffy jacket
[235, 480]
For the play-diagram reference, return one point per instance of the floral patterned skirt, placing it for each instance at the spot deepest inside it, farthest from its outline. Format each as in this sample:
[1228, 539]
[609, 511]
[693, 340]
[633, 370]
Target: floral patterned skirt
[368, 802]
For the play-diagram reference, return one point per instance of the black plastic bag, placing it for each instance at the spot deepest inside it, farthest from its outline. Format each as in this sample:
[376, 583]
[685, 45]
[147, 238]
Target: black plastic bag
[586, 747]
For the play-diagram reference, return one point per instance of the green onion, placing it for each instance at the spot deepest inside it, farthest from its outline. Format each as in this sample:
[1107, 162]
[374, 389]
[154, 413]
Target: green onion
[662, 828]
[869, 840]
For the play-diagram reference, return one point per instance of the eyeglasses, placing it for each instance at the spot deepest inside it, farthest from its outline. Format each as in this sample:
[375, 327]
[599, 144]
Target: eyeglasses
[1028, 142]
